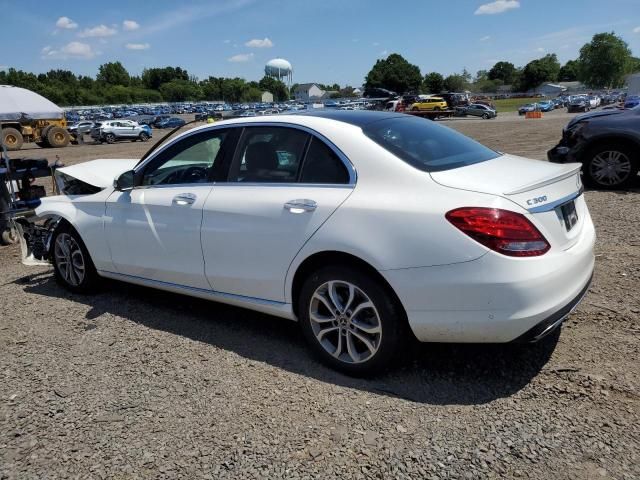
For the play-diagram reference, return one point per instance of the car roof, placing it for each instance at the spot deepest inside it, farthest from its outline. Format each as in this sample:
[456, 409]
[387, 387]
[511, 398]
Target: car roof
[359, 118]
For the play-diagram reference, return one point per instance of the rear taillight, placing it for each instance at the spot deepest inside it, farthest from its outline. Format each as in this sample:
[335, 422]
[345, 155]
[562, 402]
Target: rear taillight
[505, 232]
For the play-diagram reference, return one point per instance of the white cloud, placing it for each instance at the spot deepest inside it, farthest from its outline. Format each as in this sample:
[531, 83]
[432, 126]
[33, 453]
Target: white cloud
[70, 50]
[384, 53]
[241, 57]
[137, 46]
[66, 23]
[376, 44]
[99, 31]
[485, 38]
[499, 6]
[227, 41]
[257, 43]
[540, 49]
[3, 67]
[636, 30]
[130, 25]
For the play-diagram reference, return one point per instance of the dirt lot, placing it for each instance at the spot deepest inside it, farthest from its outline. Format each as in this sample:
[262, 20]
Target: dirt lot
[134, 383]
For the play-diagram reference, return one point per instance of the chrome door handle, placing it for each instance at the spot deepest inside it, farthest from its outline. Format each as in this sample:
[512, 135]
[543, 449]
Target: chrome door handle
[301, 205]
[184, 199]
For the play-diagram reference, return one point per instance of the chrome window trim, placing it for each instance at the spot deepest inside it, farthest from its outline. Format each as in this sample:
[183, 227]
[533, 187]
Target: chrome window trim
[353, 174]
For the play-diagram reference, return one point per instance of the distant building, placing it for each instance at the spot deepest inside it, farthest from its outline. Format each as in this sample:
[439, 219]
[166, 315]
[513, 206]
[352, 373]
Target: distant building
[306, 92]
[267, 97]
[357, 92]
[504, 89]
[550, 89]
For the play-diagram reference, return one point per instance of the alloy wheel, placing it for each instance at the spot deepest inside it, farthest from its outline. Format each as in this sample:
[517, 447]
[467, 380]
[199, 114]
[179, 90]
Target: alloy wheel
[610, 167]
[345, 322]
[69, 259]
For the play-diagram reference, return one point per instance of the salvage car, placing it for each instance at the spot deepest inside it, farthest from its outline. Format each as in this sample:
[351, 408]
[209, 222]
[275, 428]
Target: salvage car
[112, 130]
[365, 227]
[527, 107]
[606, 143]
[427, 104]
[476, 110]
[578, 103]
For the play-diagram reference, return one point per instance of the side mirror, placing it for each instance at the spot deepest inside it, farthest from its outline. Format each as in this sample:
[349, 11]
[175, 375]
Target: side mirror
[125, 182]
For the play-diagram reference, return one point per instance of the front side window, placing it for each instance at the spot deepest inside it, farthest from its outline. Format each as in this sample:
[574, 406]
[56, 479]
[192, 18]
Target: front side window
[269, 155]
[189, 161]
[427, 146]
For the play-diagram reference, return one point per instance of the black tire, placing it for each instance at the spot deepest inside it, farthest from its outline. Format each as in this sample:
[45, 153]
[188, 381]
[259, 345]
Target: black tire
[590, 162]
[12, 139]
[436, 109]
[110, 138]
[58, 137]
[415, 109]
[486, 116]
[390, 318]
[42, 144]
[90, 280]
[144, 137]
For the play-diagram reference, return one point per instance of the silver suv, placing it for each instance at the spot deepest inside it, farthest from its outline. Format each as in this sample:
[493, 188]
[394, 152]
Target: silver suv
[111, 130]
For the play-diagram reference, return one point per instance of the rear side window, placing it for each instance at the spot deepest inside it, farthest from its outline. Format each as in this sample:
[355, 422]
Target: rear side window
[322, 165]
[269, 155]
[426, 145]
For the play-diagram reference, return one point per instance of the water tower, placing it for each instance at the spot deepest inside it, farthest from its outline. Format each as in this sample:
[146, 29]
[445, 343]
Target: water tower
[280, 69]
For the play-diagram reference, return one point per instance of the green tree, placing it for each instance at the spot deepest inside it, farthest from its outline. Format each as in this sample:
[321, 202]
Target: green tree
[545, 69]
[394, 73]
[154, 77]
[279, 89]
[569, 71]
[433, 83]
[113, 73]
[504, 71]
[455, 83]
[180, 91]
[604, 61]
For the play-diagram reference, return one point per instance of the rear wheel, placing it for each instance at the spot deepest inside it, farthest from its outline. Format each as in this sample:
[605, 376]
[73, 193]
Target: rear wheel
[58, 137]
[12, 139]
[144, 136]
[72, 265]
[351, 322]
[610, 166]
[436, 109]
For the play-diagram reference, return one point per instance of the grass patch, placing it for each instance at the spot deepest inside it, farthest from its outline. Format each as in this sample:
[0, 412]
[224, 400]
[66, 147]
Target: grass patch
[512, 104]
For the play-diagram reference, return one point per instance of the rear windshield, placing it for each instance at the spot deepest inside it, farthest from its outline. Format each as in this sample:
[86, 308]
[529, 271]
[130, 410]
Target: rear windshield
[426, 145]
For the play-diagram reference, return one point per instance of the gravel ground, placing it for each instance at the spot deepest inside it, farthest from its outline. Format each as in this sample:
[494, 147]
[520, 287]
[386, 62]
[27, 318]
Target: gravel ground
[135, 383]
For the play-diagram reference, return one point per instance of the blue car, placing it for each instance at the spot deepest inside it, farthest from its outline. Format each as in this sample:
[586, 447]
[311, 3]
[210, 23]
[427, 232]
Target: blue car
[632, 101]
[172, 122]
[546, 106]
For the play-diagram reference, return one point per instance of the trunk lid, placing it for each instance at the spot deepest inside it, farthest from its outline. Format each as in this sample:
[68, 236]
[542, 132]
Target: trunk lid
[546, 190]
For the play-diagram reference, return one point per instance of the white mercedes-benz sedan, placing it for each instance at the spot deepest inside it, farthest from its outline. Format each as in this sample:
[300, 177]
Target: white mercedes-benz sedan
[365, 227]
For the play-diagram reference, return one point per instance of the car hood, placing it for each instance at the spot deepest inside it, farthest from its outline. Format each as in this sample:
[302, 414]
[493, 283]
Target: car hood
[587, 116]
[100, 173]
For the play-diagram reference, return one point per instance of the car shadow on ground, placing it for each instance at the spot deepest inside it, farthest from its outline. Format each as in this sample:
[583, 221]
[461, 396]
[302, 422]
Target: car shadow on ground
[435, 374]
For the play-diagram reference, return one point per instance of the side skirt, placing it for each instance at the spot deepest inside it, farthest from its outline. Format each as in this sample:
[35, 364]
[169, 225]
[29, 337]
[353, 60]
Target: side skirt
[278, 309]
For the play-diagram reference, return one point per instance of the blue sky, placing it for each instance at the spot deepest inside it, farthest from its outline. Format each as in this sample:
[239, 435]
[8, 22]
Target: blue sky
[327, 41]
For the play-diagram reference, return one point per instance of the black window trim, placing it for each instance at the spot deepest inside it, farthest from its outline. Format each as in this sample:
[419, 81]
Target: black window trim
[218, 170]
[343, 158]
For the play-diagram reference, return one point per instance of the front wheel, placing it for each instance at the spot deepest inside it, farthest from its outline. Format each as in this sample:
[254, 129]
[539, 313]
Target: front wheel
[611, 167]
[110, 138]
[144, 137]
[351, 322]
[72, 265]
[486, 116]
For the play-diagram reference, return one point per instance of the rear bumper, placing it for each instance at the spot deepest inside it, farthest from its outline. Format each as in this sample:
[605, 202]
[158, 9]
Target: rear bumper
[548, 325]
[495, 299]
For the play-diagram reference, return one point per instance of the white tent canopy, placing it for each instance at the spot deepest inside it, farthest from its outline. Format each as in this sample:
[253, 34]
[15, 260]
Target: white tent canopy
[16, 101]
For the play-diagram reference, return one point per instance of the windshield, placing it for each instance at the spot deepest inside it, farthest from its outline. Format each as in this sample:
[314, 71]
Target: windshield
[426, 145]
